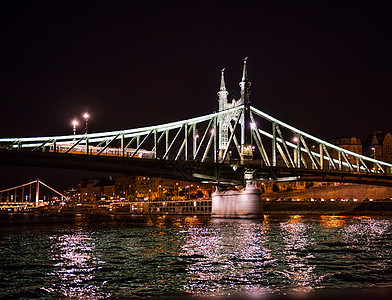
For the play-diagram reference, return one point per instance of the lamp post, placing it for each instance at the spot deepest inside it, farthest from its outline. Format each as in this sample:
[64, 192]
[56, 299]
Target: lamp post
[74, 123]
[86, 116]
[374, 156]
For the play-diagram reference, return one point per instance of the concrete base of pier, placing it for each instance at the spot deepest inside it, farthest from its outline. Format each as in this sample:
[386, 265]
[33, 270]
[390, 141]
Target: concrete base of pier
[245, 203]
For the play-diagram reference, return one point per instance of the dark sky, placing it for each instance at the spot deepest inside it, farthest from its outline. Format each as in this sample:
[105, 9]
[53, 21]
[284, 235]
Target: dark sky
[322, 66]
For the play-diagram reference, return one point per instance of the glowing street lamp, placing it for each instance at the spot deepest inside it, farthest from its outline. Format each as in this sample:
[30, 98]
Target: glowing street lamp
[86, 116]
[74, 123]
[374, 152]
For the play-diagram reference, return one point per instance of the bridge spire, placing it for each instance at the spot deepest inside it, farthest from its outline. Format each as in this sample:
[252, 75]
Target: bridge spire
[245, 84]
[222, 94]
[246, 129]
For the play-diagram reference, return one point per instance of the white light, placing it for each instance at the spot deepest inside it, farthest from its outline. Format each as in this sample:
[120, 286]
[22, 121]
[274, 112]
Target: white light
[253, 125]
[86, 115]
[74, 122]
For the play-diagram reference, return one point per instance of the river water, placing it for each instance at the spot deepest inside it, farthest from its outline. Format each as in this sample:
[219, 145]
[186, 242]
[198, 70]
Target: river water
[95, 258]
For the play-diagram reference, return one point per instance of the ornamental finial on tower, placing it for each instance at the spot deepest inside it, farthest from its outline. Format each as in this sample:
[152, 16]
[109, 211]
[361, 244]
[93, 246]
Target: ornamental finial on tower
[244, 71]
[245, 84]
[223, 85]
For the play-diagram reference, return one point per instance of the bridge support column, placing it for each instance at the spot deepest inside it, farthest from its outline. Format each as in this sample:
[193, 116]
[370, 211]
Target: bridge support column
[37, 193]
[245, 203]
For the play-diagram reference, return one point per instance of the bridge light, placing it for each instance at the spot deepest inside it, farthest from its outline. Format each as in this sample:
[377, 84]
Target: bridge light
[74, 124]
[295, 139]
[253, 125]
[86, 116]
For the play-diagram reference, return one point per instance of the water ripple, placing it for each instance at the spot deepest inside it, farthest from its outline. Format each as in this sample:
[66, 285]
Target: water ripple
[100, 258]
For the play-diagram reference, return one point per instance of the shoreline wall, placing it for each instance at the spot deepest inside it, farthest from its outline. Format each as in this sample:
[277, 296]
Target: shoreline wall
[354, 191]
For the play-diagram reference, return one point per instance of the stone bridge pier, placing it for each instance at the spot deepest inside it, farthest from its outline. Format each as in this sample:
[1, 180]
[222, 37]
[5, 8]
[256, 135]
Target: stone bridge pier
[245, 203]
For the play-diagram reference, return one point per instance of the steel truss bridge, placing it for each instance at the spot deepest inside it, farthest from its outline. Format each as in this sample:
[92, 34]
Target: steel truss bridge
[223, 148]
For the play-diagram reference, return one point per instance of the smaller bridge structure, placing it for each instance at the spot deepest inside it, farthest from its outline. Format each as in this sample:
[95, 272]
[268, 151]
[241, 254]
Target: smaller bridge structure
[27, 194]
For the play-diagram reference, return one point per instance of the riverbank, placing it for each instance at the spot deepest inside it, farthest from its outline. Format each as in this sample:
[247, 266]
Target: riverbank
[352, 191]
[372, 208]
[270, 207]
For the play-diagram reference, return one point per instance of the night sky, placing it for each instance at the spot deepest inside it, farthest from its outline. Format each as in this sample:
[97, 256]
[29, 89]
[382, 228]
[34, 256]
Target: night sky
[325, 67]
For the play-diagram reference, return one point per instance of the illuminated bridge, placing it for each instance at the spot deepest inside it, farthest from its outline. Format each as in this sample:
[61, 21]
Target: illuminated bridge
[235, 144]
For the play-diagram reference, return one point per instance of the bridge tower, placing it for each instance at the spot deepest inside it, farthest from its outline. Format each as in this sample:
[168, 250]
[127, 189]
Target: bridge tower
[246, 144]
[224, 120]
[244, 203]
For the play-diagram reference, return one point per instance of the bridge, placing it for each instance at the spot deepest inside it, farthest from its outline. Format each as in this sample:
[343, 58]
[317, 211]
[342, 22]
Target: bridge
[236, 144]
[27, 194]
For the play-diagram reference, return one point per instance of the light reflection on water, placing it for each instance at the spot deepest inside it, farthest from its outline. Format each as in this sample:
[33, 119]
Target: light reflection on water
[91, 258]
[74, 264]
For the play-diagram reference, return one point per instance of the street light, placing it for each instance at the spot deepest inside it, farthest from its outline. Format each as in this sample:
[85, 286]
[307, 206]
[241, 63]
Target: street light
[374, 156]
[86, 116]
[74, 123]
[374, 152]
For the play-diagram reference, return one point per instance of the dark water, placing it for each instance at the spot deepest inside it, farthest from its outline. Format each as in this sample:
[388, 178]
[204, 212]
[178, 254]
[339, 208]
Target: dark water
[97, 258]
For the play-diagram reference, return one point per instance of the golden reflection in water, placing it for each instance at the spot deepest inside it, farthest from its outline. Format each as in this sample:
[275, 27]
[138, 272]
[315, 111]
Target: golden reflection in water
[163, 221]
[332, 221]
[73, 256]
